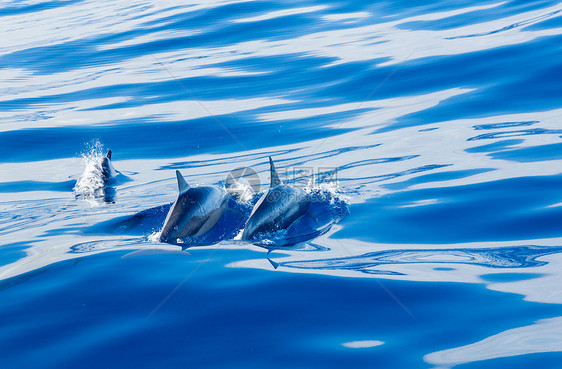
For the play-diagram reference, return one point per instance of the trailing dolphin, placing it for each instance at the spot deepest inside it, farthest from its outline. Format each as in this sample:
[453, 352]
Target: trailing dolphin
[107, 170]
[98, 178]
[277, 209]
[196, 211]
[109, 174]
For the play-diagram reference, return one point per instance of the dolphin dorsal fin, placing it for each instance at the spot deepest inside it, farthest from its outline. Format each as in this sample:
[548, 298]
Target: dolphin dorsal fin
[182, 184]
[275, 181]
[108, 155]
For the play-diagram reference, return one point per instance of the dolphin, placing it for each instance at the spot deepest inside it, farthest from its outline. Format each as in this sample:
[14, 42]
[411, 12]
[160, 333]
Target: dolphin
[196, 211]
[107, 170]
[277, 209]
[98, 178]
[109, 174]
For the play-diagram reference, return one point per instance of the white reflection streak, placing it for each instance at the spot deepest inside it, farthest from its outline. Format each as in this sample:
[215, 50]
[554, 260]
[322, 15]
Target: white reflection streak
[543, 336]
[281, 13]
[363, 344]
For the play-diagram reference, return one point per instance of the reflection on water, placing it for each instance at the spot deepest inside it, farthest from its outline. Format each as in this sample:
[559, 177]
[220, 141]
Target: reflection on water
[505, 257]
[543, 336]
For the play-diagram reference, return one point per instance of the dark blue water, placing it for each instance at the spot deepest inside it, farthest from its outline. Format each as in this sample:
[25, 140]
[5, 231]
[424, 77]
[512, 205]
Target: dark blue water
[433, 132]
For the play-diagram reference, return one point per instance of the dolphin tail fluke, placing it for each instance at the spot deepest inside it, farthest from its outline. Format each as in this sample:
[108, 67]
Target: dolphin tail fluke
[275, 181]
[108, 155]
[182, 184]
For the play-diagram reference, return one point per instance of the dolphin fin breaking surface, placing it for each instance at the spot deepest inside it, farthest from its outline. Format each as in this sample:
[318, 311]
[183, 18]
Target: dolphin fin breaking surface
[195, 211]
[275, 181]
[107, 170]
[277, 209]
[182, 184]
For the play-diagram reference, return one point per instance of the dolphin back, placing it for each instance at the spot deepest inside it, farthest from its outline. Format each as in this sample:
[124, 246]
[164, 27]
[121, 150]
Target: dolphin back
[195, 212]
[277, 209]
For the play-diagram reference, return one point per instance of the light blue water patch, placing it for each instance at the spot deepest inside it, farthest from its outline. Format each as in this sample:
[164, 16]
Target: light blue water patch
[495, 147]
[554, 22]
[520, 362]
[491, 13]
[510, 209]
[32, 8]
[531, 154]
[510, 277]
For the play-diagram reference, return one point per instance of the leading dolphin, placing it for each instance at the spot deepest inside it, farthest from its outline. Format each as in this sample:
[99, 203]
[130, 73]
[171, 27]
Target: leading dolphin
[277, 209]
[196, 211]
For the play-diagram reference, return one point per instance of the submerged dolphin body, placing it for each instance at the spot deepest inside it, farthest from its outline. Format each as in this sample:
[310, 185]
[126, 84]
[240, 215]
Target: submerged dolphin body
[196, 211]
[277, 209]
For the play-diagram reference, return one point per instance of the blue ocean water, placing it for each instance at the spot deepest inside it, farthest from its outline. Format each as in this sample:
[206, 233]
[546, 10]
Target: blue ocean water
[438, 125]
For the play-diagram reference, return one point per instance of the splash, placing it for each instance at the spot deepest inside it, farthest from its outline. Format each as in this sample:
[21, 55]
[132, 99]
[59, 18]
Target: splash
[241, 191]
[154, 237]
[91, 185]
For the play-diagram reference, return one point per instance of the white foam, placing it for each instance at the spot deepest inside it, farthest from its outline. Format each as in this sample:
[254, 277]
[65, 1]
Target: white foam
[281, 13]
[91, 185]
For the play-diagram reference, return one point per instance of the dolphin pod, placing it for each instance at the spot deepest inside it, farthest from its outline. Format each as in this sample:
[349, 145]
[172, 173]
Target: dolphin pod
[198, 209]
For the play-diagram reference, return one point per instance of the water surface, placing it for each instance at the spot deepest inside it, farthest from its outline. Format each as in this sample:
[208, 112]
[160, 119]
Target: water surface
[439, 120]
